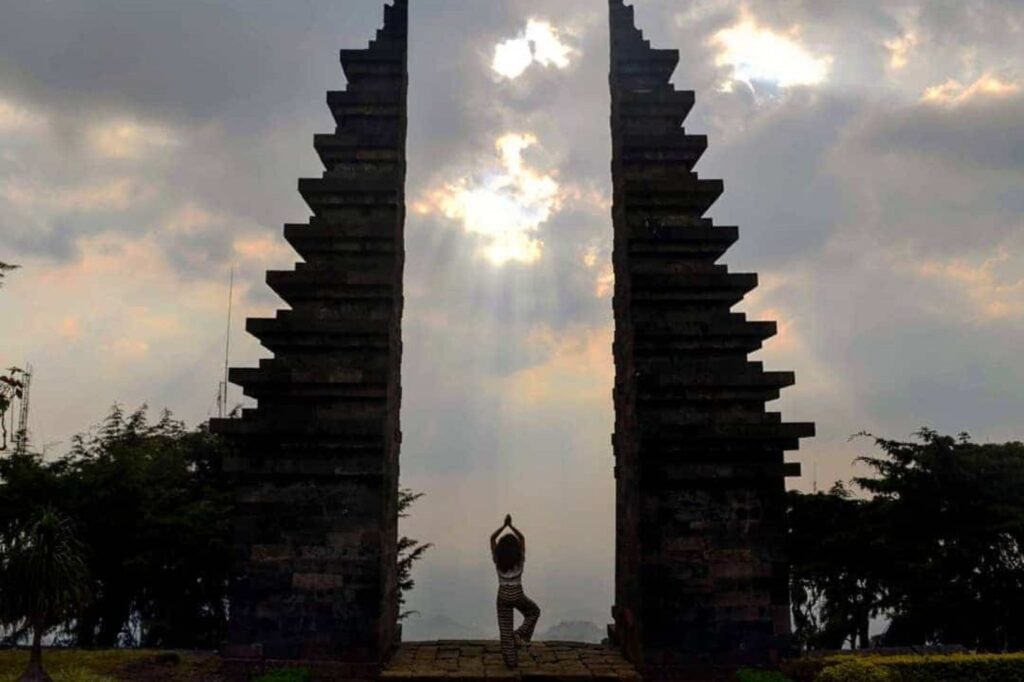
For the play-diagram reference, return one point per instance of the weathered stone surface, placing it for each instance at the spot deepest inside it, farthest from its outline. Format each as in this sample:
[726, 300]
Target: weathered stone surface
[481, 660]
[316, 463]
[701, 580]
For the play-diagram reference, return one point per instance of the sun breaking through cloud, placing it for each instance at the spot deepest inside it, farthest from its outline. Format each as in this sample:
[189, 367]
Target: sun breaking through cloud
[129, 140]
[16, 118]
[505, 207]
[538, 43]
[899, 50]
[954, 92]
[758, 54]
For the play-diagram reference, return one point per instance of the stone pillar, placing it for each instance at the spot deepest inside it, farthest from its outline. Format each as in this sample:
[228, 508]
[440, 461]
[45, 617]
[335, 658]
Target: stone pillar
[316, 464]
[701, 577]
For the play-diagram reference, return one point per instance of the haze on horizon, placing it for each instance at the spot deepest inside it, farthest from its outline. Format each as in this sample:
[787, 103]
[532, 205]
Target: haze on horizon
[871, 157]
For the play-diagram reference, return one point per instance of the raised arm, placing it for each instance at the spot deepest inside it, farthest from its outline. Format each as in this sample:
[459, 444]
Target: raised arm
[494, 539]
[522, 538]
[495, 534]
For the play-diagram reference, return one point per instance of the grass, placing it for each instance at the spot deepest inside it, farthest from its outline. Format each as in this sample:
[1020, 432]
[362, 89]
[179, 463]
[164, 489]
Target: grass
[113, 665]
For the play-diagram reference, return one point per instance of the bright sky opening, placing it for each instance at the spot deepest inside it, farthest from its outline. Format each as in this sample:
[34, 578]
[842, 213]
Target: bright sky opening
[504, 207]
[758, 54]
[538, 43]
[955, 92]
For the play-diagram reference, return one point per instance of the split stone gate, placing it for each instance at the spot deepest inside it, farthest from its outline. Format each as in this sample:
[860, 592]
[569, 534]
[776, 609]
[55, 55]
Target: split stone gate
[700, 573]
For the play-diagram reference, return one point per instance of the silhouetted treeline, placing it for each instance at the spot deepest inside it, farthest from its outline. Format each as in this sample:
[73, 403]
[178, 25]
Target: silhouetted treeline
[934, 539]
[152, 509]
[935, 543]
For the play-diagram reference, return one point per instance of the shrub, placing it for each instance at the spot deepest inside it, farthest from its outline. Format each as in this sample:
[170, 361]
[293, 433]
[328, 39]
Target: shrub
[285, 675]
[959, 667]
[854, 670]
[760, 675]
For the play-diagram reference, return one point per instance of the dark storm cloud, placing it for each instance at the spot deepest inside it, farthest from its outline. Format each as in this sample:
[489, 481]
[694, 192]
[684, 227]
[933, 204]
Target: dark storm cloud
[986, 133]
[187, 61]
[238, 84]
[775, 185]
[945, 179]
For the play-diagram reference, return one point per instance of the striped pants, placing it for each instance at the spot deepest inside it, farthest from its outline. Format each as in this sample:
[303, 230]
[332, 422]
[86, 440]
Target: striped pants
[511, 597]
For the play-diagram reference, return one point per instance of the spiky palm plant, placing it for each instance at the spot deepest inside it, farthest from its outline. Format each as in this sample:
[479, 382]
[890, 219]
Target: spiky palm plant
[43, 577]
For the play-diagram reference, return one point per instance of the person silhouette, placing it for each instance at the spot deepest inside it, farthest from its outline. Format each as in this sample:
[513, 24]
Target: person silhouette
[509, 554]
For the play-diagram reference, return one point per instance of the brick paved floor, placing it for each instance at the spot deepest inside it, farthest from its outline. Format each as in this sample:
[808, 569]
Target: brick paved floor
[481, 659]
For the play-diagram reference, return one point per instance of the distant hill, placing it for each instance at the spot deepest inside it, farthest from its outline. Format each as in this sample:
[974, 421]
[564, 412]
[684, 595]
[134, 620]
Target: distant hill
[573, 631]
[418, 628]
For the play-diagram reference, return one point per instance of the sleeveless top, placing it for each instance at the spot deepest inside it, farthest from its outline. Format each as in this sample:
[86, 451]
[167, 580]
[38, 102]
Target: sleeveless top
[510, 577]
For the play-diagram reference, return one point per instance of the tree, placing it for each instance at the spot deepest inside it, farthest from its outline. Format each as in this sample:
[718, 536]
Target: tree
[936, 545]
[953, 535]
[834, 587]
[43, 581]
[160, 564]
[4, 269]
[152, 505]
[409, 551]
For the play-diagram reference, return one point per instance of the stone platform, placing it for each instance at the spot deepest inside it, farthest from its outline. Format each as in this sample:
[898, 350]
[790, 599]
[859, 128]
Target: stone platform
[481, 659]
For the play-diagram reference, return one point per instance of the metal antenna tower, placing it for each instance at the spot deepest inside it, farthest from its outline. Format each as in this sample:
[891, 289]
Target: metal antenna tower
[21, 435]
[222, 393]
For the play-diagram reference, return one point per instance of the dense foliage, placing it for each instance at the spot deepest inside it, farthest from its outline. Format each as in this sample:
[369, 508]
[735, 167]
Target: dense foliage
[151, 505]
[409, 551]
[869, 667]
[936, 545]
[933, 540]
[4, 269]
[43, 580]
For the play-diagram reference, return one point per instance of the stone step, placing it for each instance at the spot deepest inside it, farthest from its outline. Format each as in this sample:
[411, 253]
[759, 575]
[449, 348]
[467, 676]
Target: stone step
[674, 472]
[330, 194]
[344, 145]
[646, 154]
[273, 465]
[691, 334]
[288, 385]
[652, 263]
[655, 103]
[642, 62]
[297, 286]
[377, 83]
[734, 431]
[343, 103]
[708, 243]
[695, 377]
[321, 239]
[692, 195]
[669, 285]
[682, 395]
[291, 333]
[300, 422]
[327, 244]
[482, 660]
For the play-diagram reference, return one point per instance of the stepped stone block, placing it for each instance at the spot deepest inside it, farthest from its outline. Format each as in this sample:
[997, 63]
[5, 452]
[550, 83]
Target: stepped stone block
[701, 576]
[315, 465]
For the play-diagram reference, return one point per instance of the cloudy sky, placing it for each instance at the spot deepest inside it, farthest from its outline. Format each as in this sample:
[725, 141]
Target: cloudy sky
[873, 155]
